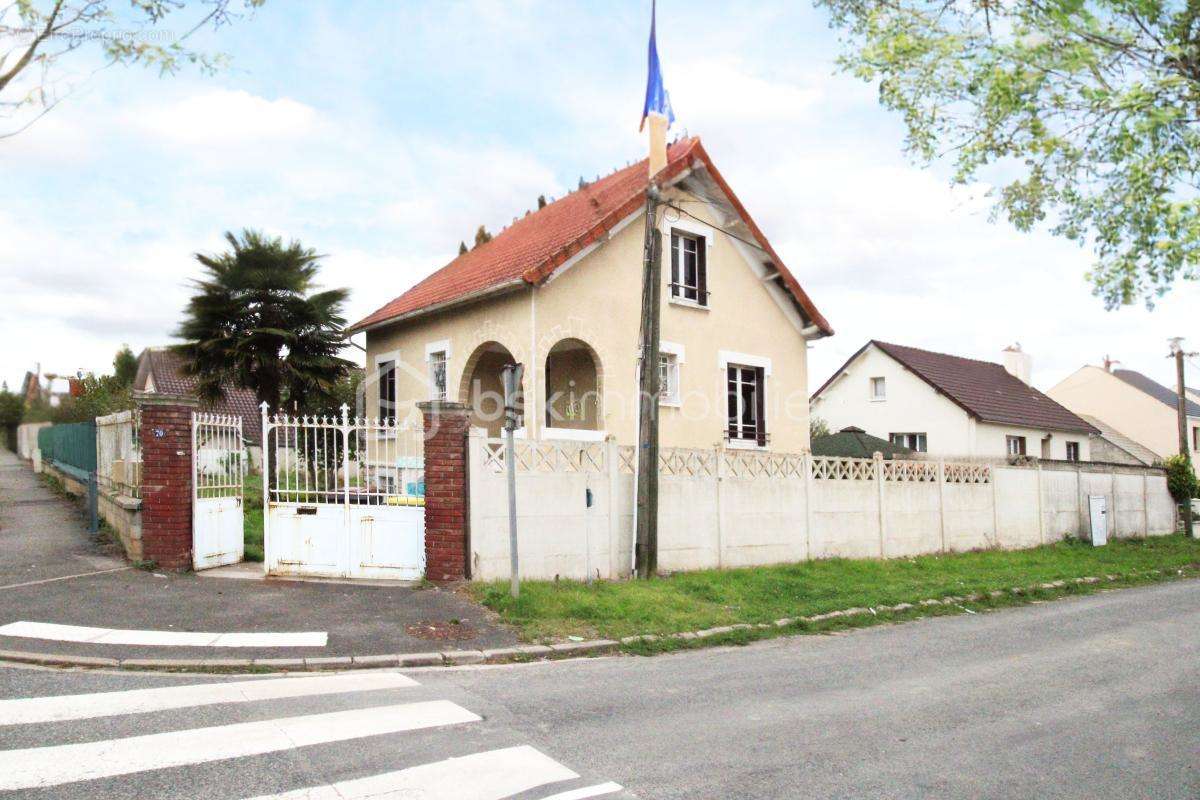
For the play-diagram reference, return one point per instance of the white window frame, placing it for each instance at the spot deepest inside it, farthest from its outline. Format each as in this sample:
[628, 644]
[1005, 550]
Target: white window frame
[918, 438]
[441, 346]
[381, 359]
[691, 227]
[1078, 451]
[1012, 439]
[881, 381]
[727, 358]
[677, 355]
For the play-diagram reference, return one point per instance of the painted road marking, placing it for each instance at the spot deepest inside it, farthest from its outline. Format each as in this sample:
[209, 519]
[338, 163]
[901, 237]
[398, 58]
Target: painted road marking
[68, 763]
[587, 791]
[78, 633]
[31, 710]
[65, 578]
[482, 776]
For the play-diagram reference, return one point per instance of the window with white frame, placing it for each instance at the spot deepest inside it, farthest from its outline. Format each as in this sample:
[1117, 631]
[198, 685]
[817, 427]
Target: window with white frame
[386, 370]
[878, 388]
[437, 375]
[1072, 451]
[1015, 445]
[689, 268]
[668, 378]
[746, 404]
[913, 441]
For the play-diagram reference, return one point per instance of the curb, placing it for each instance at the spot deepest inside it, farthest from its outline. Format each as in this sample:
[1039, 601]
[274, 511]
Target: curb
[518, 653]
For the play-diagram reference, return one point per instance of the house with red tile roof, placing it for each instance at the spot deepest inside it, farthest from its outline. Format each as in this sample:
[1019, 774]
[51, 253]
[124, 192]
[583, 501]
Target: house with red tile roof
[951, 406]
[560, 292]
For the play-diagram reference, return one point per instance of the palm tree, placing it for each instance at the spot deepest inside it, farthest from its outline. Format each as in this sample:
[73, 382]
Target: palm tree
[255, 322]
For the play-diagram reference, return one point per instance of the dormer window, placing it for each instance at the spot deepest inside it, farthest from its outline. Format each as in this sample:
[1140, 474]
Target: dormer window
[689, 270]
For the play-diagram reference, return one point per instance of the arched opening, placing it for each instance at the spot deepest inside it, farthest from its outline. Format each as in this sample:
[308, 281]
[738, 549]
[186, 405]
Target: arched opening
[573, 389]
[483, 387]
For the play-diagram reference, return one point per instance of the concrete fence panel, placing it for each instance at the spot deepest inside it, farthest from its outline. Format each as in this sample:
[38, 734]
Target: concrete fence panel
[723, 508]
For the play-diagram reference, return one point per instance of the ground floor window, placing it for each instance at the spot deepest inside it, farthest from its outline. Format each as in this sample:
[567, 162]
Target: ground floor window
[1016, 445]
[437, 375]
[746, 404]
[1072, 451]
[668, 378]
[913, 441]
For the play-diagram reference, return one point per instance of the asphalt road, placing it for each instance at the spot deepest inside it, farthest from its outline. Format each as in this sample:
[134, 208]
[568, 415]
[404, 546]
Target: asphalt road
[1091, 697]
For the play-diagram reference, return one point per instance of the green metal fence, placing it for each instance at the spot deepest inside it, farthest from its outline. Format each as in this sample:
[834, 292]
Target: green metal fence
[70, 445]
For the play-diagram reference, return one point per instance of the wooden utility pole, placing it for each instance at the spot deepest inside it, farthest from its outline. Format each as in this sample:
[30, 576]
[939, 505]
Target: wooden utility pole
[1181, 414]
[646, 550]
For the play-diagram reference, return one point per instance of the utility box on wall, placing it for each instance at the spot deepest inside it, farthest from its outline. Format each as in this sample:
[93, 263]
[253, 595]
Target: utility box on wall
[1098, 514]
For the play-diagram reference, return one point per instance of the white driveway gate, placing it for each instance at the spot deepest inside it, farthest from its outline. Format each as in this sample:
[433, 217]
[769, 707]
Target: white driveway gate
[343, 497]
[218, 472]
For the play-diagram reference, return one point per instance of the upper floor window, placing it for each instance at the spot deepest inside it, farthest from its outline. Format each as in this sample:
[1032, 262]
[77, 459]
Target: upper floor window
[913, 441]
[1196, 437]
[1016, 445]
[1072, 451]
[387, 389]
[878, 389]
[437, 375]
[689, 270]
[747, 404]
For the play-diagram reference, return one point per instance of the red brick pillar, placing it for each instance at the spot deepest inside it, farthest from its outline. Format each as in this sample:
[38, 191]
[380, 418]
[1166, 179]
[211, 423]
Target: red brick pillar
[446, 495]
[166, 439]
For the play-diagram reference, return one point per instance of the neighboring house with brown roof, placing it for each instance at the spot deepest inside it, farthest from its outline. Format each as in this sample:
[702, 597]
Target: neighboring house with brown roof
[160, 370]
[1141, 409]
[560, 291]
[950, 406]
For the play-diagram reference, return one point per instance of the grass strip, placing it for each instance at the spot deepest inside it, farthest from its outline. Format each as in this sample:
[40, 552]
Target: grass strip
[555, 610]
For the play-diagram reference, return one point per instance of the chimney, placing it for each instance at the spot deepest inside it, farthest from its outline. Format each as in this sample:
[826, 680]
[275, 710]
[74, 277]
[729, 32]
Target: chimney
[1018, 363]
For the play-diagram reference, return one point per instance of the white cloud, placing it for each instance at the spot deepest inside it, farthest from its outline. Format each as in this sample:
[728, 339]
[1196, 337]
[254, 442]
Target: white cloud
[219, 118]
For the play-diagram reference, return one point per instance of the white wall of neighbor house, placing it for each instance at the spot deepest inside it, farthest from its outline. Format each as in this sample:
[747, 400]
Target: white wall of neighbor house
[910, 405]
[596, 300]
[1098, 393]
[725, 508]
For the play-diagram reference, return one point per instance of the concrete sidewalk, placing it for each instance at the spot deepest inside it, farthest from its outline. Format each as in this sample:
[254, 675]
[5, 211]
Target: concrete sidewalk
[52, 571]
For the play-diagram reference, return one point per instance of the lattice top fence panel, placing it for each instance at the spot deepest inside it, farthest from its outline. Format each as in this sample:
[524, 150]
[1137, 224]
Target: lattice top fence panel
[687, 462]
[843, 469]
[968, 473]
[763, 465]
[545, 457]
[910, 471]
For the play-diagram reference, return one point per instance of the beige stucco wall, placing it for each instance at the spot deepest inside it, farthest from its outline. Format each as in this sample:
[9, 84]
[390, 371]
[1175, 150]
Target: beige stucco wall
[1149, 422]
[597, 300]
[913, 406]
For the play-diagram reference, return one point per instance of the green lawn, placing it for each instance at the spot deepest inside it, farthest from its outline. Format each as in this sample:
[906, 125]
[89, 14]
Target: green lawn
[252, 519]
[699, 600]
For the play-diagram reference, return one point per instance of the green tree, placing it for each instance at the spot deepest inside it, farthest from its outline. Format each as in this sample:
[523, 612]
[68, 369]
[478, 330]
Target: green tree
[1084, 112]
[257, 322]
[43, 34]
[817, 428]
[1181, 478]
[125, 366]
[12, 409]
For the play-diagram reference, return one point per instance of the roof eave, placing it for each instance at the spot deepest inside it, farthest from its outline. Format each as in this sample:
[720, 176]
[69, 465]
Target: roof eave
[482, 294]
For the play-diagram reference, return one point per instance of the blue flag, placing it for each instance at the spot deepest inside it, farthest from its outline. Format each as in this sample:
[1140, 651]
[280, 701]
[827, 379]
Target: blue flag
[658, 100]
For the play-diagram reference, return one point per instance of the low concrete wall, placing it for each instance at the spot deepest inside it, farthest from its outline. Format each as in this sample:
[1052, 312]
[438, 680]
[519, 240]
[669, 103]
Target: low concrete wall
[27, 438]
[123, 514]
[729, 508]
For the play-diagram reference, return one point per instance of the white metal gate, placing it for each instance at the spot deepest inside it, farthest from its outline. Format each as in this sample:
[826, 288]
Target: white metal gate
[218, 474]
[343, 497]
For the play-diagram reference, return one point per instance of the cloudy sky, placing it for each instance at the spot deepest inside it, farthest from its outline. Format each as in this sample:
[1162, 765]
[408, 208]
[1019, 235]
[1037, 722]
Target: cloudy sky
[383, 133]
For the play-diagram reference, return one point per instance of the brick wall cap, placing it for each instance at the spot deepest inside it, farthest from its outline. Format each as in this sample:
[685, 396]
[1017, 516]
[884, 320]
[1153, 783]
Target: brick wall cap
[161, 399]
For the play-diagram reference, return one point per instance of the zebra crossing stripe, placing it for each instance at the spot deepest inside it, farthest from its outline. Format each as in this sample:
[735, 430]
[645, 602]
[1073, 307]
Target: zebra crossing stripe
[32, 710]
[80, 633]
[586, 792]
[50, 766]
[482, 776]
